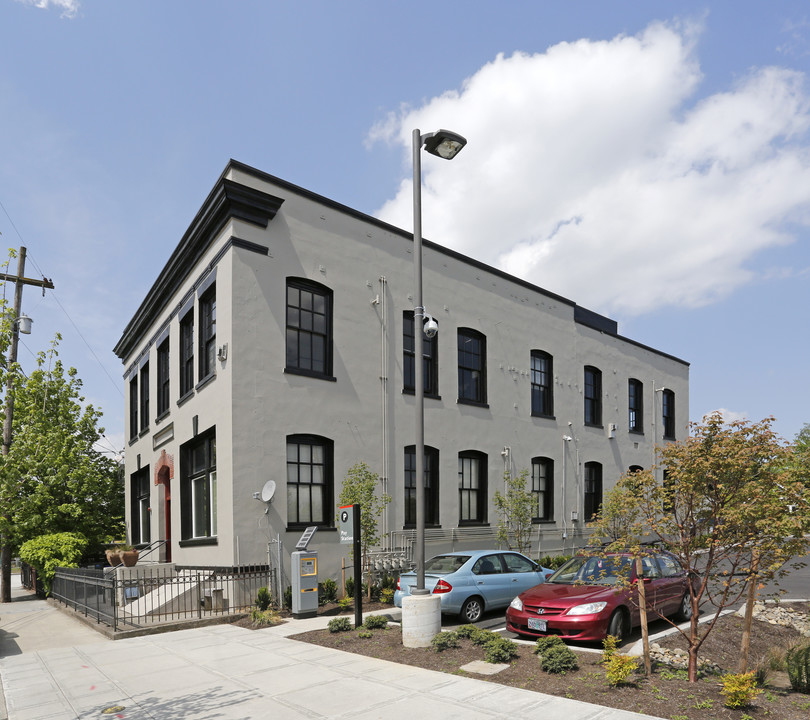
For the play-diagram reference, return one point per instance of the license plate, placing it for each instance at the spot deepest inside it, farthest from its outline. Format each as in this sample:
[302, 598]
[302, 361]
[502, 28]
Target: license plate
[537, 624]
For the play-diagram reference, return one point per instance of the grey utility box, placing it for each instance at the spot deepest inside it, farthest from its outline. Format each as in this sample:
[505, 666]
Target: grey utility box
[304, 584]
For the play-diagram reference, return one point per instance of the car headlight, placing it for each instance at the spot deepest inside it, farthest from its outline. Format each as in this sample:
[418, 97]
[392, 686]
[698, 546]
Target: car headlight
[587, 609]
[517, 603]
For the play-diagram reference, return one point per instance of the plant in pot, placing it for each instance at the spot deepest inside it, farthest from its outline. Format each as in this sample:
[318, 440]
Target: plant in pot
[122, 554]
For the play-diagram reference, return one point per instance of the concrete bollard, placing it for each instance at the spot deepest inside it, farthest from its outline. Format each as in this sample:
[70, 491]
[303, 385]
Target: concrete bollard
[421, 619]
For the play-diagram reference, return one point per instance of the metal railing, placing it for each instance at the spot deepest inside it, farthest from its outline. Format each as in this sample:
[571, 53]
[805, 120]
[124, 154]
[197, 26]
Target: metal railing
[150, 595]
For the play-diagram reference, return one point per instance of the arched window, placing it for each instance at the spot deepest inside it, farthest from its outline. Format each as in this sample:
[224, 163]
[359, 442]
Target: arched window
[431, 480]
[472, 487]
[310, 482]
[543, 489]
[542, 389]
[635, 403]
[309, 328]
[472, 367]
[593, 396]
[593, 489]
[668, 413]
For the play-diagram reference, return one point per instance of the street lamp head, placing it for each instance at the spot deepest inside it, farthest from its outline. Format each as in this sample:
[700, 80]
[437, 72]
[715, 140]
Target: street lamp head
[444, 144]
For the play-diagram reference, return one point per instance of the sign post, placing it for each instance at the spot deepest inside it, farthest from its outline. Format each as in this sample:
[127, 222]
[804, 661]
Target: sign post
[349, 522]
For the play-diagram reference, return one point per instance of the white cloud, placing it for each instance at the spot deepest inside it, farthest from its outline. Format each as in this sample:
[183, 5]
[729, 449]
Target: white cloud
[729, 416]
[592, 171]
[69, 7]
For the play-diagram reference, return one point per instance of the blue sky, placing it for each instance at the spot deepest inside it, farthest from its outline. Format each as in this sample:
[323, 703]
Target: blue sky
[649, 160]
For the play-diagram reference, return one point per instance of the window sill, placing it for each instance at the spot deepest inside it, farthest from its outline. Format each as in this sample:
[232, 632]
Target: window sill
[474, 403]
[543, 416]
[599, 426]
[160, 418]
[309, 373]
[636, 432]
[472, 523]
[144, 431]
[432, 396]
[428, 526]
[207, 379]
[185, 398]
[195, 542]
[539, 521]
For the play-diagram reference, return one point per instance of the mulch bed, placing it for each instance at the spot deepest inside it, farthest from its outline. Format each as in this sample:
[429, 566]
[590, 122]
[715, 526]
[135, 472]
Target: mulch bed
[667, 693]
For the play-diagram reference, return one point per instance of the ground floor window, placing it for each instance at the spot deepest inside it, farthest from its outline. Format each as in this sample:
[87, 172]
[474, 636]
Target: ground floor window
[198, 495]
[431, 480]
[140, 507]
[309, 481]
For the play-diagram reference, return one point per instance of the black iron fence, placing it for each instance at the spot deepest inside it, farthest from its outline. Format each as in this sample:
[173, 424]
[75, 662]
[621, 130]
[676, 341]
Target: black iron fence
[148, 595]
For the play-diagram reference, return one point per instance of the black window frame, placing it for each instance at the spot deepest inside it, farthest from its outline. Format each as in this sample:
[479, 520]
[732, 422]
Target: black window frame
[668, 414]
[140, 507]
[472, 390]
[199, 510]
[163, 378]
[473, 499]
[542, 384]
[207, 308]
[592, 489]
[187, 354]
[143, 378]
[543, 495]
[430, 356]
[305, 460]
[592, 395]
[302, 327]
[635, 406]
[134, 405]
[431, 479]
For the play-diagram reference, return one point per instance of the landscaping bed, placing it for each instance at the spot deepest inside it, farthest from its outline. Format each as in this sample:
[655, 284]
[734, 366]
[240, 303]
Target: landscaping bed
[666, 693]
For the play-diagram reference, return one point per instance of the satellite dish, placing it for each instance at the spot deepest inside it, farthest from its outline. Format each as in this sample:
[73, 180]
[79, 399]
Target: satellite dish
[269, 490]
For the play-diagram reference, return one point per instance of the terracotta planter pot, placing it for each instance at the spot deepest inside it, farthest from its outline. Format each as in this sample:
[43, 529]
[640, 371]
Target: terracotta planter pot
[128, 557]
[113, 557]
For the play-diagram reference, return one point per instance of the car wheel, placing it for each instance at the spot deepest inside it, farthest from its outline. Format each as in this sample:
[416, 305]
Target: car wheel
[685, 610]
[618, 626]
[472, 609]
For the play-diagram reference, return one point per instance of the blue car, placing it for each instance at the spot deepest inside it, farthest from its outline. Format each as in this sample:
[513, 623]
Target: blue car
[470, 583]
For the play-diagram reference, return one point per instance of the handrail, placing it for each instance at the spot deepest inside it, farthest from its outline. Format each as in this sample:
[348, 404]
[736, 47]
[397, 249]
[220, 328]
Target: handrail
[151, 547]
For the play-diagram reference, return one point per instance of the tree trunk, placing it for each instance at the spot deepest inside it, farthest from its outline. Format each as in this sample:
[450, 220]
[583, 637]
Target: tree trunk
[749, 614]
[5, 574]
[642, 607]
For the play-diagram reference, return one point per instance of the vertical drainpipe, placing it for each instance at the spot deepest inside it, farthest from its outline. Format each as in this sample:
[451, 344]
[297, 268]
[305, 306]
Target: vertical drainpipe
[384, 403]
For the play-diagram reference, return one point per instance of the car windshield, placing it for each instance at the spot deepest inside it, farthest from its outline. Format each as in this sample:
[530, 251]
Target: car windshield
[593, 571]
[444, 564]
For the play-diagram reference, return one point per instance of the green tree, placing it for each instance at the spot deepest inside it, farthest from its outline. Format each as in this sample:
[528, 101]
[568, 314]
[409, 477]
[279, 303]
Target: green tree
[53, 479]
[360, 487]
[45, 553]
[515, 508]
[723, 510]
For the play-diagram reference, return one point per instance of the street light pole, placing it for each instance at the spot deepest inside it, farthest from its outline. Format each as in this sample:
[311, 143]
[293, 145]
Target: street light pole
[446, 145]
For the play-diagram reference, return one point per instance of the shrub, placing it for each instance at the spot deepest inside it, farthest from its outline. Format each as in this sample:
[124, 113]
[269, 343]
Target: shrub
[349, 587]
[346, 603]
[388, 582]
[618, 668]
[339, 624]
[797, 663]
[444, 640]
[609, 645]
[327, 591]
[740, 690]
[387, 595]
[470, 632]
[499, 650]
[558, 659]
[365, 634]
[479, 636]
[544, 643]
[265, 618]
[263, 599]
[48, 552]
[554, 561]
[287, 600]
[376, 622]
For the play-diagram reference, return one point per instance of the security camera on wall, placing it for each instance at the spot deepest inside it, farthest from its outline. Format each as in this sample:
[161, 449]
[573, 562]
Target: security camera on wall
[431, 327]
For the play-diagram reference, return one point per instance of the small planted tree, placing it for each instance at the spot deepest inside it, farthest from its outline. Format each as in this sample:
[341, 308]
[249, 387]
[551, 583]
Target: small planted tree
[515, 508]
[360, 486]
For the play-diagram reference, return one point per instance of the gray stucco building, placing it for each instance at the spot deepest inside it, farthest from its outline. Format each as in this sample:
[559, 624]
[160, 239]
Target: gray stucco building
[276, 344]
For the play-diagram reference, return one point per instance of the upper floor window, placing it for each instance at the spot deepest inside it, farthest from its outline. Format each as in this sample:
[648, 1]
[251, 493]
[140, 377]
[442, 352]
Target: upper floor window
[144, 373]
[309, 328]
[472, 487]
[543, 489]
[593, 396]
[208, 332]
[140, 507]
[187, 353]
[134, 402]
[430, 357]
[310, 483]
[431, 481]
[542, 395]
[668, 413]
[635, 402]
[472, 366]
[198, 491]
[593, 489]
[163, 370]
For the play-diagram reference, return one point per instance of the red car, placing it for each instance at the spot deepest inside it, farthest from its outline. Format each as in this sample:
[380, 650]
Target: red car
[591, 597]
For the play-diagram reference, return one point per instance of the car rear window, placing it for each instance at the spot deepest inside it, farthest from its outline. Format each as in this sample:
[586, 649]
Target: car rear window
[444, 564]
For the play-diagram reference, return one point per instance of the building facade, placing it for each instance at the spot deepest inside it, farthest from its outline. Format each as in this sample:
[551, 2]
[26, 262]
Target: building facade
[277, 345]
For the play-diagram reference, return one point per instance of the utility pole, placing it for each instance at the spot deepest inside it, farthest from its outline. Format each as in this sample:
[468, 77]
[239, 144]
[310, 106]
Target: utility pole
[20, 281]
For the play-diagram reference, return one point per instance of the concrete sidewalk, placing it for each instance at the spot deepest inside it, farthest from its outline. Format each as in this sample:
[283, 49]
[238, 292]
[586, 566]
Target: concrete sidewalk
[225, 672]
